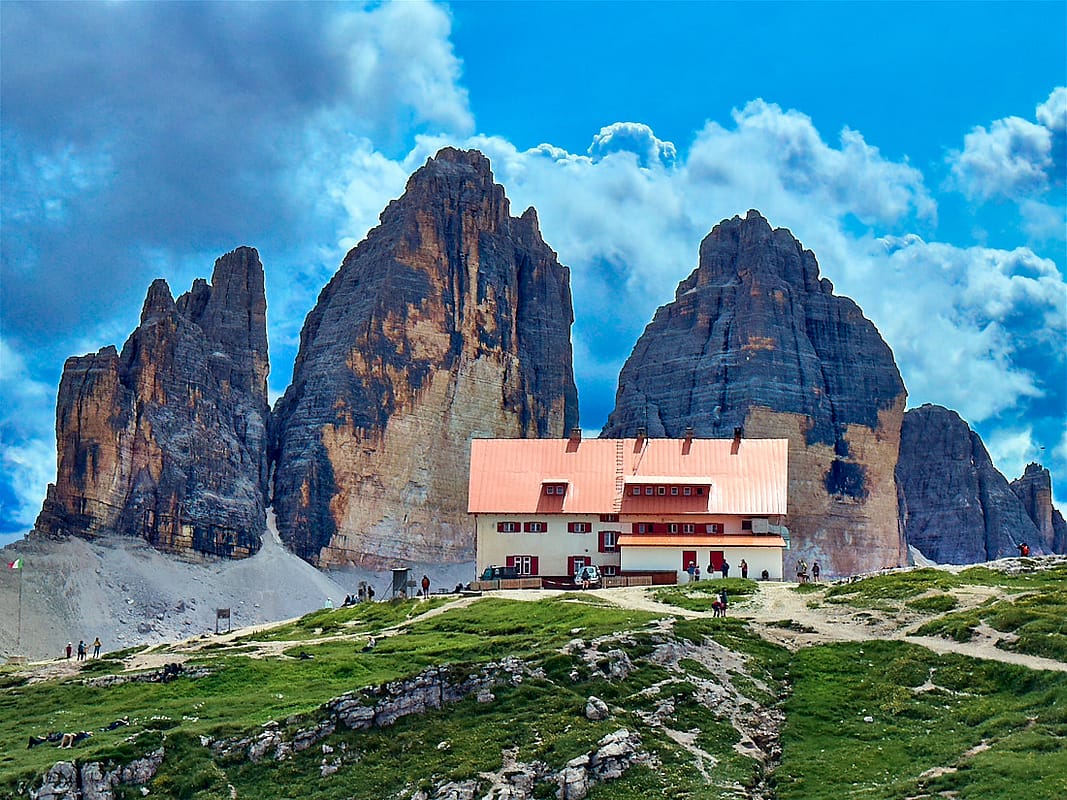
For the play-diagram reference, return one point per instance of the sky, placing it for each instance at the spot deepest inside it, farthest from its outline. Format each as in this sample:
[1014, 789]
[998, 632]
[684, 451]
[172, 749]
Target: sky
[918, 149]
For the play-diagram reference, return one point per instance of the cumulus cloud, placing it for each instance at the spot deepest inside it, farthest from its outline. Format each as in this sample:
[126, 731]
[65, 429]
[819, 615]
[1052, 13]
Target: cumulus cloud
[1014, 158]
[635, 138]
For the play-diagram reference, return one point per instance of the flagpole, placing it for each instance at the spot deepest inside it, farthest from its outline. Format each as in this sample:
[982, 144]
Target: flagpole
[18, 636]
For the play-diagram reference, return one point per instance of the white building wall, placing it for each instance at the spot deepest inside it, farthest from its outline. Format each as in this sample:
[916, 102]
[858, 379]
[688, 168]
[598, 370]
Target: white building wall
[552, 548]
[664, 559]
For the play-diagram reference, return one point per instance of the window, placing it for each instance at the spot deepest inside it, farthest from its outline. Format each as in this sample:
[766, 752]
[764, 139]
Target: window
[661, 490]
[609, 517]
[609, 541]
[636, 491]
[644, 527]
[524, 565]
[508, 527]
[555, 489]
[536, 527]
[689, 527]
[609, 570]
[672, 527]
[648, 490]
[579, 527]
[700, 490]
[687, 491]
[746, 525]
[715, 528]
[674, 491]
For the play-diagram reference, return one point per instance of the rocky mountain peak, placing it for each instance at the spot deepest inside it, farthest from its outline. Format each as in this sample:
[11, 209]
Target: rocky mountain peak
[1034, 490]
[451, 319]
[158, 302]
[754, 339]
[956, 507]
[166, 441]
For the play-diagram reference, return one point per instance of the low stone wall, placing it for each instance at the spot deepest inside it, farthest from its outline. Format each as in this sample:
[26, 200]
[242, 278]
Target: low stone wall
[66, 780]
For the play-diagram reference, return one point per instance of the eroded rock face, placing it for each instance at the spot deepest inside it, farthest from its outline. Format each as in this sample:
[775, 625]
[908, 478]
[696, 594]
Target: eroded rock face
[167, 439]
[1034, 490]
[956, 507]
[450, 320]
[755, 339]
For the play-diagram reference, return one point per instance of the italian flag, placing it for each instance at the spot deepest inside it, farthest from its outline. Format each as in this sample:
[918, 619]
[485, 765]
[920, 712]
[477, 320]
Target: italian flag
[16, 564]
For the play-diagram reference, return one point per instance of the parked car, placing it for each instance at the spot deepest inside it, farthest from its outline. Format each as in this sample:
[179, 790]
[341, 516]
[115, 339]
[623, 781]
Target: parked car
[588, 575]
[496, 573]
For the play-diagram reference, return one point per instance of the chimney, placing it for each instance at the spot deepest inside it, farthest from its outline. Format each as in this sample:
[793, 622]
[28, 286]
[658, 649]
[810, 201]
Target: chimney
[576, 435]
[641, 434]
[688, 435]
[738, 431]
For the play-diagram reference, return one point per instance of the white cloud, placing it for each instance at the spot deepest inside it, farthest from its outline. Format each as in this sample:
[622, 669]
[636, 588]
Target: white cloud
[1010, 159]
[635, 138]
[1012, 449]
[1014, 158]
[1053, 112]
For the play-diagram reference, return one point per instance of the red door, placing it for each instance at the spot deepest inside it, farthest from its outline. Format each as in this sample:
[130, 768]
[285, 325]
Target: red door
[716, 557]
[688, 557]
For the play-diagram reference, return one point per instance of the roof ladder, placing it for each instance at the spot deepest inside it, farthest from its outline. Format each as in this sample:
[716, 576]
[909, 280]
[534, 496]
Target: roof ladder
[620, 477]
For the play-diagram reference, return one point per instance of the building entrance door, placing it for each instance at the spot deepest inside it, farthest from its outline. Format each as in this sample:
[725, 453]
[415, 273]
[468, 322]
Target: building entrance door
[715, 559]
[688, 557]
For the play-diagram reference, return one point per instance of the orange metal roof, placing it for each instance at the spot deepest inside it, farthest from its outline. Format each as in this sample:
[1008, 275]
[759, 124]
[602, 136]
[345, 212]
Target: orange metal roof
[645, 540]
[507, 475]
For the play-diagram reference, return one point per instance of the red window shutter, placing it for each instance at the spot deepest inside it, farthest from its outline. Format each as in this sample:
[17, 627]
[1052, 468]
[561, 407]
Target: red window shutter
[600, 543]
[527, 526]
[500, 527]
[533, 565]
[509, 561]
[570, 565]
[570, 527]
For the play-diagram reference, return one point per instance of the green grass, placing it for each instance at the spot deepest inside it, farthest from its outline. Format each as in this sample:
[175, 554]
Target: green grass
[829, 751]
[700, 595]
[933, 604]
[1037, 621]
[895, 586]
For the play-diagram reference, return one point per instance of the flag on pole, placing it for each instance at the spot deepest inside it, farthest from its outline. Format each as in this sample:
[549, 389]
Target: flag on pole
[16, 564]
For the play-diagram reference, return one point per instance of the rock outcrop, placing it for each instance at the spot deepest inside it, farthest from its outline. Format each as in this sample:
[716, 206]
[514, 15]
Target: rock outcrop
[754, 339]
[956, 507]
[1034, 490]
[167, 440]
[450, 320]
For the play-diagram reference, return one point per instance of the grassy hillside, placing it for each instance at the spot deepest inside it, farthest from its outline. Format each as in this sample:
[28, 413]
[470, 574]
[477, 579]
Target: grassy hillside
[721, 711]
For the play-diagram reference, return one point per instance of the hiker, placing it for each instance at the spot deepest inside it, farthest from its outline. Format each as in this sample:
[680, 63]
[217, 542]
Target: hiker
[765, 575]
[723, 602]
[815, 571]
[370, 592]
[744, 568]
[802, 571]
[1024, 549]
[96, 648]
[696, 573]
[70, 649]
[691, 569]
[362, 593]
[81, 649]
[725, 568]
[426, 586]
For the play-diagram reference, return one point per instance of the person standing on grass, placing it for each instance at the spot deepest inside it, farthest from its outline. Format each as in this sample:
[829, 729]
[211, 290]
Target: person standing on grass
[815, 571]
[725, 568]
[744, 568]
[96, 648]
[81, 649]
[70, 649]
[426, 586]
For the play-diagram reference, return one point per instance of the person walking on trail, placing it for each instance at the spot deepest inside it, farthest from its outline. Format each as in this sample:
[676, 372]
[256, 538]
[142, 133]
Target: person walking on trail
[96, 648]
[426, 586]
[81, 649]
[815, 571]
[70, 649]
[744, 568]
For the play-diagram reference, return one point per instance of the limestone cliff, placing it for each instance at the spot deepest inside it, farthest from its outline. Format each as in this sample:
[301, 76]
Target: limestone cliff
[956, 507]
[450, 320]
[755, 339]
[1034, 490]
[167, 440]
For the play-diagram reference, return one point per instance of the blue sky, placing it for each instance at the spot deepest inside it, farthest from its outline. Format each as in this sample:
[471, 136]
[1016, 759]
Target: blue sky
[917, 148]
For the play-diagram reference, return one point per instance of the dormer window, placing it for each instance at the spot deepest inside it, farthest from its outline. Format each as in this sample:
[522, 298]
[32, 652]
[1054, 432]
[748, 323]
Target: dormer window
[661, 490]
[687, 491]
[556, 489]
[674, 491]
[648, 491]
[636, 491]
